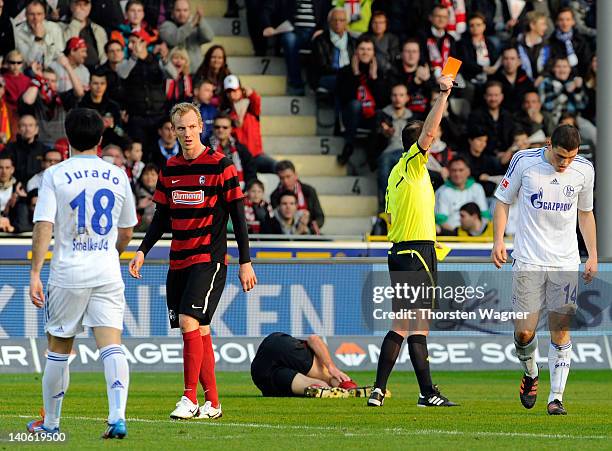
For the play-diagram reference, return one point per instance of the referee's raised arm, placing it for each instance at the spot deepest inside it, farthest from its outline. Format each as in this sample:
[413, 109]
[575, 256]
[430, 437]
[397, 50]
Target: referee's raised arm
[435, 114]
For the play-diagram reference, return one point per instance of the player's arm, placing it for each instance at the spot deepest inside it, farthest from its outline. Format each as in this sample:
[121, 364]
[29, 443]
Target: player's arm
[124, 236]
[499, 255]
[322, 354]
[245, 273]
[41, 238]
[159, 225]
[435, 115]
[586, 222]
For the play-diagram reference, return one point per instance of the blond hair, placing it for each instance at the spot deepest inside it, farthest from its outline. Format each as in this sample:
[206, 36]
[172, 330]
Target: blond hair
[534, 16]
[180, 51]
[13, 54]
[181, 109]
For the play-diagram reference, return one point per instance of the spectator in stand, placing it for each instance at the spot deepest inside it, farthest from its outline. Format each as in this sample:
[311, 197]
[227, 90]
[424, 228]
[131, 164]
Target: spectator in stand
[257, 211]
[390, 122]
[590, 87]
[214, 68]
[493, 118]
[436, 42]
[143, 79]
[222, 141]
[585, 15]
[132, 155]
[562, 91]
[502, 16]
[307, 18]
[98, 99]
[76, 54]
[288, 219]
[458, 190]
[359, 13]
[7, 34]
[112, 154]
[145, 188]
[47, 105]
[107, 13]
[14, 212]
[179, 84]
[514, 80]
[537, 123]
[386, 44]
[483, 167]
[204, 92]
[81, 26]
[362, 90]
[243, 106]
[332, 50]
[456, 17]
[50, 157]
[471, 222]
[187, 30]
[253, 18]
[478, 53]
[135, 23]
[417, 78]
[114, 58]
[306, 195]
[16, 83]
[37, 39]
[566, 42]
[167, 145]
[533, 48]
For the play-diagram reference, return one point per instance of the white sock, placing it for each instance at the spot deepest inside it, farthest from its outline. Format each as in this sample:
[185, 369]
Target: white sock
[117, 374]
[54, 386]
[559, 359]
[526, 355]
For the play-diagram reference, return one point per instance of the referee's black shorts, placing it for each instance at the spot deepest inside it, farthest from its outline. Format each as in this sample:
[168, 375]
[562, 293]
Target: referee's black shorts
[195, 291]
[414, 263]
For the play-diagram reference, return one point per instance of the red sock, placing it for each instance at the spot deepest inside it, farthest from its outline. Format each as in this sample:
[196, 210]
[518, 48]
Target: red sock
[192, 361]
[207, 372]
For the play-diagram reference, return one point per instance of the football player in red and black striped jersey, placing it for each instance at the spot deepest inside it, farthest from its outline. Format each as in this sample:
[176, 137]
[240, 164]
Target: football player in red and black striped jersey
[196, 194]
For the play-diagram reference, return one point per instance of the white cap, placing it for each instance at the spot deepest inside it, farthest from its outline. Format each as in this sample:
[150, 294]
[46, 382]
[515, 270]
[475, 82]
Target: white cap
[231, 82]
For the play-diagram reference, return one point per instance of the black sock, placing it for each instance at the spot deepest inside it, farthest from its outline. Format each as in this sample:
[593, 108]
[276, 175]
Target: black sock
[389, 351]
[417, 346]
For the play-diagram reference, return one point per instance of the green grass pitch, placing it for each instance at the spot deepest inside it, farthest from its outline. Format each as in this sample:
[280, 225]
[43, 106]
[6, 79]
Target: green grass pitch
[490, 416]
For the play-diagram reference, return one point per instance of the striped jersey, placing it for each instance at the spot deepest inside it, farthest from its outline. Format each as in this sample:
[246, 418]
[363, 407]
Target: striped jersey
[197, 193]
[547, 206]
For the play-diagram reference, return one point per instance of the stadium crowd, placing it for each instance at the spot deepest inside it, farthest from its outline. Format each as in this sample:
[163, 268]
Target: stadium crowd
[528, 65]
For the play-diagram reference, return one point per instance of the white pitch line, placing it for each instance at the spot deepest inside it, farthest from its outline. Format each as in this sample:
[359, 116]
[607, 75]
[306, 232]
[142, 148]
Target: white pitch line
[397, 431]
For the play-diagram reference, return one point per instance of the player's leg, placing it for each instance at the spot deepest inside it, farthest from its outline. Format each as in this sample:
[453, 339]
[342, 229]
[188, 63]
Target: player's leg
[528, 295]
[559, 360]
[64, 312]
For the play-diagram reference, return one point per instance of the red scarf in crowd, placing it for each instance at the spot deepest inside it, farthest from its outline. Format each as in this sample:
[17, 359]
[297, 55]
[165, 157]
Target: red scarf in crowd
[437, 58]
[179, 89]
[364, 95]
[5, 124]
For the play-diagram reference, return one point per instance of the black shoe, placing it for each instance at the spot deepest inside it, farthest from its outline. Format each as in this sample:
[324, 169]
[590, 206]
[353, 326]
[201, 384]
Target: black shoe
[345, 156]
[528, 391]
[434, 399]
[377, 398]
[555, 407]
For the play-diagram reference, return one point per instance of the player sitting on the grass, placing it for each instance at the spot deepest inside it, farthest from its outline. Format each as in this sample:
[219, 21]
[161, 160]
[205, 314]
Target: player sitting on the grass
[88, 205]
[286, 366]
[554, 187]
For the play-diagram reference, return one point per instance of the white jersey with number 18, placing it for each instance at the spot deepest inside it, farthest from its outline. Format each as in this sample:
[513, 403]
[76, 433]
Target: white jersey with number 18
[86, 199]
[547, 207]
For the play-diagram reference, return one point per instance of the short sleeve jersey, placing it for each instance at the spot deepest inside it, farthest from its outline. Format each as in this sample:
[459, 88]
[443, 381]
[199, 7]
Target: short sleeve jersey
[198, 193]
[86, 199]
[547, 206]
[410, 199]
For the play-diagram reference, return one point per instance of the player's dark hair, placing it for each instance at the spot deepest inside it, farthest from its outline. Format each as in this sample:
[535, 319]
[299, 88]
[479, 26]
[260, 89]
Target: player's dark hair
[254, 182]
[284, 165]
[471, 208]
[566, 137]
[287, 193]
[84, 128]
[411, 132]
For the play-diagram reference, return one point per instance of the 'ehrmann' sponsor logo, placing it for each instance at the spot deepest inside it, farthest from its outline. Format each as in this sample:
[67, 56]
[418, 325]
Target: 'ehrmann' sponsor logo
[539, 204]
[188, 197]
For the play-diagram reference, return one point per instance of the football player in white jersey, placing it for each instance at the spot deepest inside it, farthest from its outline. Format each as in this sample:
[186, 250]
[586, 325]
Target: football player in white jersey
[552, 186]
[88, 205]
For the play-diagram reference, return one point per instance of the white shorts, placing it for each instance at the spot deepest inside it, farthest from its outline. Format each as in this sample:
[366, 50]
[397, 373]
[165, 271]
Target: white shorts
[67, 310]
[537, 287]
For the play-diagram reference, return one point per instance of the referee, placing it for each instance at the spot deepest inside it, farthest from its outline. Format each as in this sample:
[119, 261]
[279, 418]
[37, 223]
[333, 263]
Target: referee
[412, 259]
[196, 193]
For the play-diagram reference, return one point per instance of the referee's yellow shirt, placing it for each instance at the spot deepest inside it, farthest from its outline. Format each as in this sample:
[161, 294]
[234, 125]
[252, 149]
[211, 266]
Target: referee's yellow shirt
[410, 199]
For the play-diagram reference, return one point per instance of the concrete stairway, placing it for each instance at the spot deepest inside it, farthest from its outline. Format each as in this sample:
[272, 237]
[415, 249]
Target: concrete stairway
[289, 129]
